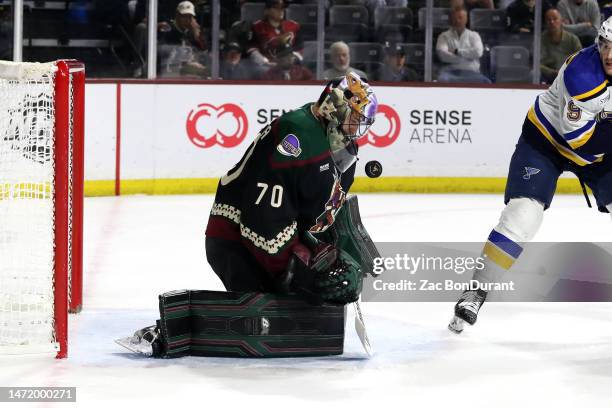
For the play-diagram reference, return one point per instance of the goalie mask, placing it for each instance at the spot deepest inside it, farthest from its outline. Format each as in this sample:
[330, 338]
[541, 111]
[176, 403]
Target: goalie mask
[349, 106]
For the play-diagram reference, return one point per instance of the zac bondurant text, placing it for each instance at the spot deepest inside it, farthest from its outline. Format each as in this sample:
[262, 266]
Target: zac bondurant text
[448, 284]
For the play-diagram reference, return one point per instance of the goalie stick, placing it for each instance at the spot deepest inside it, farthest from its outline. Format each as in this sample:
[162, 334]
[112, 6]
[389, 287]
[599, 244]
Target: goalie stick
[362, 333]
[348, 233]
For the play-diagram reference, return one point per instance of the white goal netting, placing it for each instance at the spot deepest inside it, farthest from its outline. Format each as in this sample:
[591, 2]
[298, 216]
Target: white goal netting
[27, 208]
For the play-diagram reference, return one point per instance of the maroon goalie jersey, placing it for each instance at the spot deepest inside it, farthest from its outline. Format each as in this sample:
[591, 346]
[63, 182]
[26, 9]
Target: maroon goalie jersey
[285, 184]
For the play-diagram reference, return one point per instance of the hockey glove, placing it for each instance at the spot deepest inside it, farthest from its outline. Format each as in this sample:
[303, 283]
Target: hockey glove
[305, 263]
[325, 274]
[341, 281]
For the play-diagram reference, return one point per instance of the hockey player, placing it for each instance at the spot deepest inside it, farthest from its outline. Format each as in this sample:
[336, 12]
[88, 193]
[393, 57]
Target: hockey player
[286, 288]
[566, 129]
[289, 184]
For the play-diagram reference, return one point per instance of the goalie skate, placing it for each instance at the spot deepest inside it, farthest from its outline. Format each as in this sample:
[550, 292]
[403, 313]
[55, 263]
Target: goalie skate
[143, 341]
[466, 309]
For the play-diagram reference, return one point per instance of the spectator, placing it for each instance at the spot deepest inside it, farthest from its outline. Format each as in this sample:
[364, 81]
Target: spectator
[232, 67]
[165, 10]
[581, 17]
[184, 29]
[557, 45]
[520, 14]
[140, 20]
[395, 69]
[341, 62]
[287, 68]
[184, 32]
[241, 33]
[272, 31]
[182, 43]
[460, 48]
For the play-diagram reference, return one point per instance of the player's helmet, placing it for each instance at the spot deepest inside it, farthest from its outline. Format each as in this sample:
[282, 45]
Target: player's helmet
[347, 99]
[605, 33]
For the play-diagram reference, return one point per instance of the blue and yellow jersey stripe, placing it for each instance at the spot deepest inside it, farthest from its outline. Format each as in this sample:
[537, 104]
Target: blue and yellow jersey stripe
[593, 93]
[584, 77]
[579, 137]
[570, 58]
[536, 117]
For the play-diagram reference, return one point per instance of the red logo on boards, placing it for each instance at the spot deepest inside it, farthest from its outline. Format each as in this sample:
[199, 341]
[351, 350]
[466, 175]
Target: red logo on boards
[387, 123]
[225, 125]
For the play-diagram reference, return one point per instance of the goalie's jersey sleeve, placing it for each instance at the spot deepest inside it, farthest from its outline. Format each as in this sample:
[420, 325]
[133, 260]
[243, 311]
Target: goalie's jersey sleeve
[565, 113]
[286, 183]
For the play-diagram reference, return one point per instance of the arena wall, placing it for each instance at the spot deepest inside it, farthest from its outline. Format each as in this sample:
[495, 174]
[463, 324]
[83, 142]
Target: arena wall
[172, 138]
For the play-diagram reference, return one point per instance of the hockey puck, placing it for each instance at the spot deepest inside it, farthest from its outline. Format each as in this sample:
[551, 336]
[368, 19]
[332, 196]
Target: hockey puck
[373, 169]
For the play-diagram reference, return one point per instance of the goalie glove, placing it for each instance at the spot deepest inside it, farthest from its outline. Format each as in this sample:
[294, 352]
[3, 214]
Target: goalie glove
[323, 274]
[341, 282]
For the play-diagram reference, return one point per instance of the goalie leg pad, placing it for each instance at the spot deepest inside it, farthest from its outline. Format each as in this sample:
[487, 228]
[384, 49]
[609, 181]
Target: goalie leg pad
[251, 324]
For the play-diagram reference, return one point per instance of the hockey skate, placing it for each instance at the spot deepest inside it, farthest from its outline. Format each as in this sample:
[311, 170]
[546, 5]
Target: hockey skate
[144, 341]
[466, 309]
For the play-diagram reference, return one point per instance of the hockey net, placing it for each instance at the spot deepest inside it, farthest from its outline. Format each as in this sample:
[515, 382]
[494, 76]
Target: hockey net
[41, 201]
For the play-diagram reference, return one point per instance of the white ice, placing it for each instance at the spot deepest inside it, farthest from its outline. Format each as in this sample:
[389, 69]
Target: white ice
[518, 355]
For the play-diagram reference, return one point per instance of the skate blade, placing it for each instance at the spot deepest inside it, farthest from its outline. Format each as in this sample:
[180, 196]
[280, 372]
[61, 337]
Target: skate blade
[131, 343]
[456, 325]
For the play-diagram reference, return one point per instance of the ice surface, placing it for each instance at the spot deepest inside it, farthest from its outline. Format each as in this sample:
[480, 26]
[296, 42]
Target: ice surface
[518, 355]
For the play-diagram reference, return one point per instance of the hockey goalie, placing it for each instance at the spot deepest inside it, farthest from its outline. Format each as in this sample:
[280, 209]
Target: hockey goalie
[283, 238]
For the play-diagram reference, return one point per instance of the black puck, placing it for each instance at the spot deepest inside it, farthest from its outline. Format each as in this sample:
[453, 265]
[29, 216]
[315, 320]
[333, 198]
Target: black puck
[373, 169]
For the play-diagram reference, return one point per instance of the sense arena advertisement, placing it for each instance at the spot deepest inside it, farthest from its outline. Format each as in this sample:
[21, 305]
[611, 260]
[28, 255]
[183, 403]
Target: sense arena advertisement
[199, 131]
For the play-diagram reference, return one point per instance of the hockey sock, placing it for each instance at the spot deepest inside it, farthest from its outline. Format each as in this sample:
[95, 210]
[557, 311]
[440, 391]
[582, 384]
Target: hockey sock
[500, 253]
[518, 224]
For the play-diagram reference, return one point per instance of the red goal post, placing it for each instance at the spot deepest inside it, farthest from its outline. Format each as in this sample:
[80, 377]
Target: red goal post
[41, 201]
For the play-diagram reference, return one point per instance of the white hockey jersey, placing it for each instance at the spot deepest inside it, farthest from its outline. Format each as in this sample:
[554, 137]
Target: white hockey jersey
[565, 113]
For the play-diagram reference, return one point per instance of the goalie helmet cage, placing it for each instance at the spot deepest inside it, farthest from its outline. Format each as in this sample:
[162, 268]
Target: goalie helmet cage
[41, 204]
